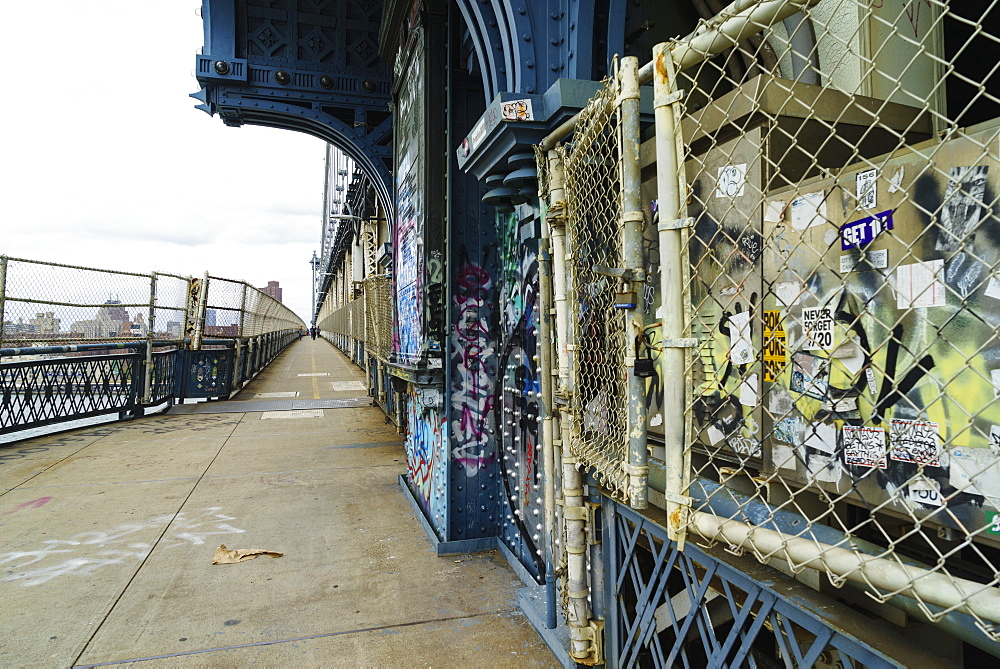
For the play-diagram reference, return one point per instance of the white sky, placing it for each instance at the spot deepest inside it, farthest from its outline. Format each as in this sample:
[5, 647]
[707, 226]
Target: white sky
[104, 162]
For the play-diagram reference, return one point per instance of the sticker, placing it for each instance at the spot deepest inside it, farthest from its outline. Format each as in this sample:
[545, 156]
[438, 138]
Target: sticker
[808, 210]
[732, 181]
[896, 182]
[842, 405]
[783, 456]
[748, 391]
[864, 446]
[656, 420]
[866, 188]
[715, 436]
[774, 346]
[995, 377]
[993, 287]
[864, 230]
[850, 355]
[787, 292]
[822, 437]
[914, 441]
[817, 326]
[993, 522]
[870, 375]
[516, 110]
[863, 261]
[925, 491]
[809, 374]
[918, 285]
[774, 211]
[780, 402]
[973, 470]
[824, 468]
[788, 430]
[741, 352]
[963, 208]
[995, 438]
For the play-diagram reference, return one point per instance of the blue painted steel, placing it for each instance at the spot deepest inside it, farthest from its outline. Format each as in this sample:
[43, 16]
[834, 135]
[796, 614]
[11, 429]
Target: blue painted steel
[312, 69]
[648, 574]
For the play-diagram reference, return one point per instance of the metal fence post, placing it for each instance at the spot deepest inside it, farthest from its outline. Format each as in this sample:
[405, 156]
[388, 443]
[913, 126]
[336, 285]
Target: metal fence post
[3, 294]
[199, 325]
[671, 186]
[634, 278]
[147, 393]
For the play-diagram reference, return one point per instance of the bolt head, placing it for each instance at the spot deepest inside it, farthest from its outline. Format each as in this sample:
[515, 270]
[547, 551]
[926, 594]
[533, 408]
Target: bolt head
[282, 77]
[221, 67]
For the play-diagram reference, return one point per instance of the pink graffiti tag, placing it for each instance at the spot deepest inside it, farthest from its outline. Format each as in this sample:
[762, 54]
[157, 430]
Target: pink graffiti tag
[34, 504]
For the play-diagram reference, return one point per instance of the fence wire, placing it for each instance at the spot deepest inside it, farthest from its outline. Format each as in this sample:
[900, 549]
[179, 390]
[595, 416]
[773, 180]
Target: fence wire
[378, 316]
[593, 228]
[843, 172]
[45, 303]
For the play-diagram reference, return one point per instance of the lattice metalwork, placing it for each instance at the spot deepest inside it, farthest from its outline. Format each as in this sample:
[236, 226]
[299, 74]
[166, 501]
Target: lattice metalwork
[842, 174]
[701, 608]
[41, 392]
[594, 249]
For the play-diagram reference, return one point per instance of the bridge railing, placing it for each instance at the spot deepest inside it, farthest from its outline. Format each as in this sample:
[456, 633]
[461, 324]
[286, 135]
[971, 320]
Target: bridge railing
[80, 342]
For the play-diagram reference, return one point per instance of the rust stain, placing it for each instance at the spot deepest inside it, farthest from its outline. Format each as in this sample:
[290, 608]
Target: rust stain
[660, 67]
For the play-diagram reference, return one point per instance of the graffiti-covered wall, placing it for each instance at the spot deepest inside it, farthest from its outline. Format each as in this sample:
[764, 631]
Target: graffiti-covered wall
[427, 457]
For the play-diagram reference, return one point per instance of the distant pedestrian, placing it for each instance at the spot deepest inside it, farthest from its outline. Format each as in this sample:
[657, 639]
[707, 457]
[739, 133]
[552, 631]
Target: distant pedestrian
[300, 333]
[312, 332]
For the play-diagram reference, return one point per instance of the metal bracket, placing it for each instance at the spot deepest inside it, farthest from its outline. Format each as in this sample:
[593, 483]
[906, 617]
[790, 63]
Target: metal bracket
[633, 217]
[620, 273]
[575, 513]
[676, 96]
[593, 634]
[684, 342]
[675, 224]
[683, 500]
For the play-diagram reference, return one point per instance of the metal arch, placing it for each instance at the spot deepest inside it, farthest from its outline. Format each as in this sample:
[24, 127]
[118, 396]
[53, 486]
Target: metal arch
[525, 61]
[351, 141]
[481, 42]
[507, 45]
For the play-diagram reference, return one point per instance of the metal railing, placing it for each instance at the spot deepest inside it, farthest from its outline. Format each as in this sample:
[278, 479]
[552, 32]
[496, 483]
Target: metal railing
[90, 351]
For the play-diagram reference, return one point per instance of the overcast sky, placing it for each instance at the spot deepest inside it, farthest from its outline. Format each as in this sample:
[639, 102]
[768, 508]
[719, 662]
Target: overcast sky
[106, 163]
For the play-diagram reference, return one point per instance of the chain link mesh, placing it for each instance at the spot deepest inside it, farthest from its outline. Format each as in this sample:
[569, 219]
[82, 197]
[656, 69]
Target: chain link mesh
[378, 316]
[846, 296]
[593, 228]
[843, 171]
[50, 303]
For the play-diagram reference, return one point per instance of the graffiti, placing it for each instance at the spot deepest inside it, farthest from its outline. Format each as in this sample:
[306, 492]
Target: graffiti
[913, 441]
[425, 442]
[85, 553]
[864, 446]
[474, 365]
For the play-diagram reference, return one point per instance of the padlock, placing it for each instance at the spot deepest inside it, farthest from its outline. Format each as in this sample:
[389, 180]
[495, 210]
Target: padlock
[644, 368]
[625, 300]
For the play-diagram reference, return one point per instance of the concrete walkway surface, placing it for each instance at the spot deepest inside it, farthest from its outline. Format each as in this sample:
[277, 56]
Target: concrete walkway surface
[107, 536]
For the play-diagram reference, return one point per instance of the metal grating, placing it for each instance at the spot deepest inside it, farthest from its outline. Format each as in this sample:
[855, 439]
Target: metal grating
[269, 405]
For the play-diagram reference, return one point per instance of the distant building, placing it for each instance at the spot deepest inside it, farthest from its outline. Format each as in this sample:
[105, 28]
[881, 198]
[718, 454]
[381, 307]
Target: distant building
[175, 329]
[44, 323]
[210, 317]
[273, 289]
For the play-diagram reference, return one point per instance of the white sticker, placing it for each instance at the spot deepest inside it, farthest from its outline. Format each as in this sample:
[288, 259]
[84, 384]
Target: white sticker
[864, 446]
[877, 259]
[817, 327]
[780, 402]
[993, 287]
[995, 376]
[732, 181]
[870, 375]
[715, 436]
[656, 420]
[842, 405]
[824, 468]
[822, 437]
[973, 470]
[995, 438]
[748, 391]
[914, 441]
[517, 110]
[896, 182]
[866, 189]
[787, 292]
[924, 491]
[850, 355]
[808, 210]
[774, 211]
[783, 455]
[741, 352]
[919, 285]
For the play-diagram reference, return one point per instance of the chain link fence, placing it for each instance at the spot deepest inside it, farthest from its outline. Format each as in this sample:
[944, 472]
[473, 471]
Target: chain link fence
[840, 236]
[378, 316]
[594, 249]
[44, 303]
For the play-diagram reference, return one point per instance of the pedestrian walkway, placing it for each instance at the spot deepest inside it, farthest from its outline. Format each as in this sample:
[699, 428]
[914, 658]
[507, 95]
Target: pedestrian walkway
[107, 536]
